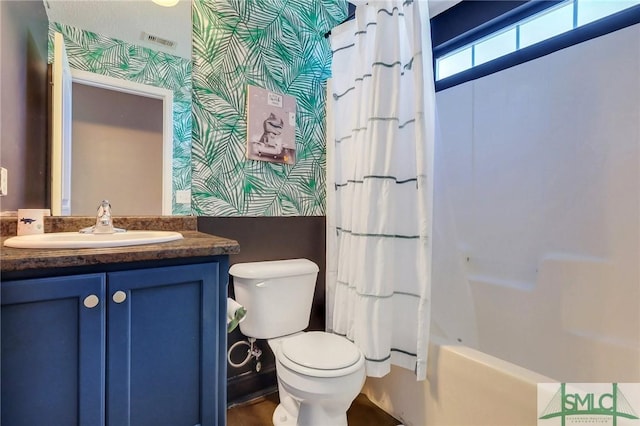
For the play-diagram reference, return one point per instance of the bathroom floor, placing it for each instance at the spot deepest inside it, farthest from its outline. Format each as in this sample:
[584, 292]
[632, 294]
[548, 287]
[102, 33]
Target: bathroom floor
[258, 413]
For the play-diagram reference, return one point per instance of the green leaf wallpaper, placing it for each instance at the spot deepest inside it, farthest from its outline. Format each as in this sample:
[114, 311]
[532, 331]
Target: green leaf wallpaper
[114, 58]
[278, 45]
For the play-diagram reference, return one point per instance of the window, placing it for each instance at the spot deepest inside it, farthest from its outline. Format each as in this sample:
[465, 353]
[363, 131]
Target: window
[456, 62]
[561, 18]
[494, 46]
[545, 25]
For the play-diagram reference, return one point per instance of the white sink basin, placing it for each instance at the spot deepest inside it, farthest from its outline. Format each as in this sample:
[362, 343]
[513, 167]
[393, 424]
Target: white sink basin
[78, 240]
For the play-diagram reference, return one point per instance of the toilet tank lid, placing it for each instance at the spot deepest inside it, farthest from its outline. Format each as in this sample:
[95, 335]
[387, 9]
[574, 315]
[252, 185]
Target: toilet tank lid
[273, 269]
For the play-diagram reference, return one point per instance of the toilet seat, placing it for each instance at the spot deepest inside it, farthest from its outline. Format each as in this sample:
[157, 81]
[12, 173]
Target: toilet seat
[320, 354]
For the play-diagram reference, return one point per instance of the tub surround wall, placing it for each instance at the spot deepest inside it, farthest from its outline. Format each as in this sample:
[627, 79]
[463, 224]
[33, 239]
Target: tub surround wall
[536, 233]
[538, 168]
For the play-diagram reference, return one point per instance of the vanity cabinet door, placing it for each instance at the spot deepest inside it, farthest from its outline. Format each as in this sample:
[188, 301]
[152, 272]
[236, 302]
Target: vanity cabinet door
[53, 334]
[163, 363]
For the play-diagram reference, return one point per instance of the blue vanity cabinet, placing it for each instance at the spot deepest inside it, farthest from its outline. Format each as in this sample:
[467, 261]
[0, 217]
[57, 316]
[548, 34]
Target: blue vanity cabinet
[151, 352]
[163, 347]
[53, 341]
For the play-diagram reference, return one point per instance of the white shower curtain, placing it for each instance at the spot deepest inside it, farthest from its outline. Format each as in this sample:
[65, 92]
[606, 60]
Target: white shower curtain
[380, 138]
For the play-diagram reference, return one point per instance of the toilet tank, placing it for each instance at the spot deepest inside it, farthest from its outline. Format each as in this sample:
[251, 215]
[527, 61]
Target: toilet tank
[277, 295]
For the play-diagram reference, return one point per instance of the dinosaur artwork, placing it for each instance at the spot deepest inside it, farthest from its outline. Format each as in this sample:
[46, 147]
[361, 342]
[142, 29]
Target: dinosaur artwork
[270, 126]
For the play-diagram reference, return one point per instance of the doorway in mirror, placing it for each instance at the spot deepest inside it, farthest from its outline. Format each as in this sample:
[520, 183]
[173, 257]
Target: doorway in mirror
[117, 151]
[120, 147]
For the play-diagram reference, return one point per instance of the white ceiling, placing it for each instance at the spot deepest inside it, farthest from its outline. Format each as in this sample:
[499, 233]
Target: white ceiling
[438, 6]
[127, 19]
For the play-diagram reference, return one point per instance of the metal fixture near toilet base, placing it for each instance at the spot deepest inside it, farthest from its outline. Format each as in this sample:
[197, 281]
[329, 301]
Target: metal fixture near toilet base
[252, 352]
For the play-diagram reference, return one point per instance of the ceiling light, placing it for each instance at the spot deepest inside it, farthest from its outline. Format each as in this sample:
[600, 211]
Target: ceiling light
[166, 3]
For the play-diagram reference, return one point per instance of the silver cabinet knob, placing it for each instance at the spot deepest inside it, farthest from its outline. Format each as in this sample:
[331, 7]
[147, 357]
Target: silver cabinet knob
[91, 301]
[119, 296]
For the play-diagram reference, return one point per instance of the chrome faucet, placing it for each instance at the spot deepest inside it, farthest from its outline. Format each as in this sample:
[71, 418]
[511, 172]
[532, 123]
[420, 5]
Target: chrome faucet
[104, 222]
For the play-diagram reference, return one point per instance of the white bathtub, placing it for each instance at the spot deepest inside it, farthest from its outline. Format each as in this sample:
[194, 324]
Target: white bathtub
[576, 321]
[463, 387]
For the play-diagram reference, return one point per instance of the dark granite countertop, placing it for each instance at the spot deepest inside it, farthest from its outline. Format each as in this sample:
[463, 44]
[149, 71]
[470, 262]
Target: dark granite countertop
[194, 244]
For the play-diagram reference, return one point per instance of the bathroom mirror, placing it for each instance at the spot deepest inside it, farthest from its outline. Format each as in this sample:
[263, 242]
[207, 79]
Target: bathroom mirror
[140, 181]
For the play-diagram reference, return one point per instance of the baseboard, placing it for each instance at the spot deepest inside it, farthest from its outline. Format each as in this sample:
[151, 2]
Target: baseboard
[254, 396]
[250, 385]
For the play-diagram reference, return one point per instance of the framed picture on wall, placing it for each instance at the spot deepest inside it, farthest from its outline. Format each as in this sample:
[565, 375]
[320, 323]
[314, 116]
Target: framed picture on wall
[271, 126]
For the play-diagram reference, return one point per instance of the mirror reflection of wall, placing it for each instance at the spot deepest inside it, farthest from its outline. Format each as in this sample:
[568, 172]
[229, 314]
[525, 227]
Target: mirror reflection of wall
[117, 151]
[144, 43]
[23, 122]
[124, 62]
[24, 52]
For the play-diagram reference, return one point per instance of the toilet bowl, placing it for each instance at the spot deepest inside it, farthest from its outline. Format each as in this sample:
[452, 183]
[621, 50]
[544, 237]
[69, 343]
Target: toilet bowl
[319, 374]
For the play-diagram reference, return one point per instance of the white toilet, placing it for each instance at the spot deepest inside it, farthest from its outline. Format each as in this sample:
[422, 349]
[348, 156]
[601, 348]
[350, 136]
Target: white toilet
[319, 374]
